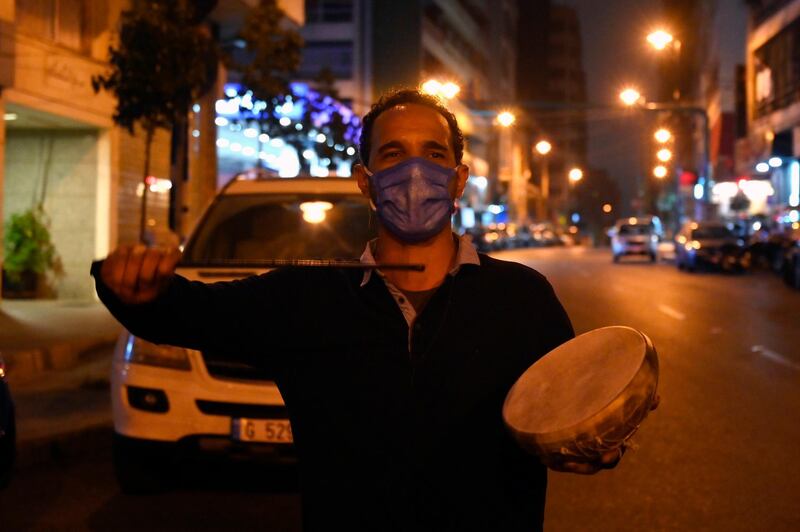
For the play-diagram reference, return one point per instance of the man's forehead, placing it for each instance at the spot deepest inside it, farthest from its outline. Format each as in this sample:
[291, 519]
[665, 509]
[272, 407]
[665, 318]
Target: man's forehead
[410, 117]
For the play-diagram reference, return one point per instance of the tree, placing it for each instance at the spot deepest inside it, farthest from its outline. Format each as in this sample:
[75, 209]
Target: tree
[165, 58]
[303, 119]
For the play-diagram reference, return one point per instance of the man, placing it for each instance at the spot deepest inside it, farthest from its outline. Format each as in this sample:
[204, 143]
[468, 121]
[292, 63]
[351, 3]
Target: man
[394, 380]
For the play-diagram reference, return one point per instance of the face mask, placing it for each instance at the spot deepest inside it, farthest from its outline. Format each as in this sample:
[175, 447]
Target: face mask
[412, 199]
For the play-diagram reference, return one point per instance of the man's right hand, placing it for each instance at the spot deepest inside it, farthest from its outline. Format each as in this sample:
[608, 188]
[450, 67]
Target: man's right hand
[138, 274]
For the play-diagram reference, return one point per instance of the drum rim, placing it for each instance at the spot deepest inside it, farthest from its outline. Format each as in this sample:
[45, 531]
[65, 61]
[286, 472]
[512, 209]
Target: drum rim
[650, 358]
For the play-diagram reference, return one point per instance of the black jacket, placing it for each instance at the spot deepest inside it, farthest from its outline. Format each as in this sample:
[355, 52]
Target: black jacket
[387, 439]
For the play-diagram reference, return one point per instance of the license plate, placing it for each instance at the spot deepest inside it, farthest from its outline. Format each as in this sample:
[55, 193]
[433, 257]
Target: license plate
[261, 430]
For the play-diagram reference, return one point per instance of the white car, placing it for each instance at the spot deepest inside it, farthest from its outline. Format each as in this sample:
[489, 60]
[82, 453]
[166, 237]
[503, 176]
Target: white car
[168, 398]
[636, 236]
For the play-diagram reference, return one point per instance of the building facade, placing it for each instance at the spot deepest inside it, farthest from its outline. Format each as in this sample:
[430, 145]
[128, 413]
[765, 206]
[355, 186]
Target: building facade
[551, 86]
[59, 147]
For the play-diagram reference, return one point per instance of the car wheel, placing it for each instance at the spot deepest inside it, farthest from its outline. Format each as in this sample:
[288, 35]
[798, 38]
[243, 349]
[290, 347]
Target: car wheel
[141, 466]
[8, 449]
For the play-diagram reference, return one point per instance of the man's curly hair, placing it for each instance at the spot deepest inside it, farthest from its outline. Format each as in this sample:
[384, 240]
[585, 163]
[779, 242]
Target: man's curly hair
[404, 96]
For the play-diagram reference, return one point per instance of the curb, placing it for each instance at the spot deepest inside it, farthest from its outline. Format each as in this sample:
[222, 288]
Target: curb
[26, 364]
[62, 447]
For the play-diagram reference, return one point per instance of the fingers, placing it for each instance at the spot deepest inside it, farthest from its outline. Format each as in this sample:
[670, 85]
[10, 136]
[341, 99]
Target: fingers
[608, 460]
[137, 274]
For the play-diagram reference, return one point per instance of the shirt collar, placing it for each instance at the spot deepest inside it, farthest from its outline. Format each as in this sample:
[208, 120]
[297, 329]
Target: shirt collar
[466, 254]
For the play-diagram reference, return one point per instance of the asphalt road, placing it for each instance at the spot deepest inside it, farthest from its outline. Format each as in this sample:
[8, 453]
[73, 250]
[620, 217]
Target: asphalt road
[722, 452]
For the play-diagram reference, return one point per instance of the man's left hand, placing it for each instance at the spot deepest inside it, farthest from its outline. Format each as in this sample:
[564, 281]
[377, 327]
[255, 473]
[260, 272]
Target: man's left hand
[608, 460]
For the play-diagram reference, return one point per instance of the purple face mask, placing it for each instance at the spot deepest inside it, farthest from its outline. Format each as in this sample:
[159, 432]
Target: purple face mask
[412, 199]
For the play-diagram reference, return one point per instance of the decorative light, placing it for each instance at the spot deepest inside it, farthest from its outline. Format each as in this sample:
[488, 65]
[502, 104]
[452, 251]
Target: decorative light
[449, 90]
[762, 168]
[235, 146]
[249, 151]
[432, 87]
[195, 133]
[308, 154]
[321, 138]
[664, 155]
[660, 171]
[775, 162]
[221, 121]
[223, 143]
[575, 175]
[196, 108]
[607, 208]
[263, 138]
[285, 121]
[250, 132]
[351, 151]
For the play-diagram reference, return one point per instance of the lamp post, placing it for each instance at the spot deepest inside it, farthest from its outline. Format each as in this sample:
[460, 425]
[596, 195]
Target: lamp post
[677, 108]
[543, 148]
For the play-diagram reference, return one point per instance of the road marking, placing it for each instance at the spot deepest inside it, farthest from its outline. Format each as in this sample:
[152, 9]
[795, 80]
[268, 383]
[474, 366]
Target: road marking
[775, 357]
[671, 312]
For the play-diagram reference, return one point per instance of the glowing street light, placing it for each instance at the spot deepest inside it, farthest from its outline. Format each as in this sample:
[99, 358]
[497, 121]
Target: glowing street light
[575, 175]
[663, 135]
[630, 96]
[607, 208]
[664, 155]
[543, 147]
[660, 171]
[660, 39]
[447, 90]
[506, 118]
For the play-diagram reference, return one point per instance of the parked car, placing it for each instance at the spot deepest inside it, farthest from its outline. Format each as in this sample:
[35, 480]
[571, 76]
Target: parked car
[8, 428]
[710, 244]
[790, 264]
[168, 398]
[636, 236]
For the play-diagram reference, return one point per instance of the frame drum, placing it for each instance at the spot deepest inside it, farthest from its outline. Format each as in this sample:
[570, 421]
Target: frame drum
[584, 398]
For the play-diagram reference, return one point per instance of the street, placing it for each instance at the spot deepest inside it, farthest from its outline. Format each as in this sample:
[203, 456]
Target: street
[720, 452]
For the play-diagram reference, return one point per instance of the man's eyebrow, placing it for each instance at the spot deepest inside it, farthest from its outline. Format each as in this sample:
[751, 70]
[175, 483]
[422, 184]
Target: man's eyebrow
[392, 144]
[433, 145]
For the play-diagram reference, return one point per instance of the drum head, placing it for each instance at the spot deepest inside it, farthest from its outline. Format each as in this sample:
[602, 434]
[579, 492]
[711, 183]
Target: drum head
[596, 387]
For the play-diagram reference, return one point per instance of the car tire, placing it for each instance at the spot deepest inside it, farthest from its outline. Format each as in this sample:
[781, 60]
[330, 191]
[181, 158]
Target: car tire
[141, 466]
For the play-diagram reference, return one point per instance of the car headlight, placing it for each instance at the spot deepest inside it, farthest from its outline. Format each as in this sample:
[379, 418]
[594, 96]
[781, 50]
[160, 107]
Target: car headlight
[138, 351]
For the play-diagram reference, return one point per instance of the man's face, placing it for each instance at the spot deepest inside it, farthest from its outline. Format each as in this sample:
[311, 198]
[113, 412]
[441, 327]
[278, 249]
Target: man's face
[406, 131]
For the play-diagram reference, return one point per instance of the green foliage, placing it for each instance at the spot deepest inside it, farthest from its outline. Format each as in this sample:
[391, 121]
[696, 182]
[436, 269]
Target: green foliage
[164, 60]
[27, 245]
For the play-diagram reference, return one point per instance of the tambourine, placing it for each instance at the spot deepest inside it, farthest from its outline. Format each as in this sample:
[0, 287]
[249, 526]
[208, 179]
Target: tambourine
[584, 398]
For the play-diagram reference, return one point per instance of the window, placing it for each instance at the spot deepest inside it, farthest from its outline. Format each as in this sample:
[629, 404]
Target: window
[329, 11]
[61, 21]
[776, 83]
[337, 56]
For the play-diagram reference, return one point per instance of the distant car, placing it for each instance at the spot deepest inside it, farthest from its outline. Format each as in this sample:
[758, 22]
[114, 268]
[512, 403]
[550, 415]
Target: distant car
[167, 398]
[636, 236]
[710, 244]
[8, 429]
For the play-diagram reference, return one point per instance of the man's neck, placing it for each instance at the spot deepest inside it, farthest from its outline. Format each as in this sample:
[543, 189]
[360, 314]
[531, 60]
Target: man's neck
[436, 254]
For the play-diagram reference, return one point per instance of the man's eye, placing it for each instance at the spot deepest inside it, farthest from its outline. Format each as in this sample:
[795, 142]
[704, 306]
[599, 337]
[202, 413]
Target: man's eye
[437, 155]
[392, 154]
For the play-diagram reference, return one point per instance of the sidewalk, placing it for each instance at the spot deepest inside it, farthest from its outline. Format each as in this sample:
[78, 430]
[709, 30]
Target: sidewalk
[58, 357]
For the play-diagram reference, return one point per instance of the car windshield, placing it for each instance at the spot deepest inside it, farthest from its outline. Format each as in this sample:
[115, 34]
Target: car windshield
[634, 230]
[711, 232]
[294, 226]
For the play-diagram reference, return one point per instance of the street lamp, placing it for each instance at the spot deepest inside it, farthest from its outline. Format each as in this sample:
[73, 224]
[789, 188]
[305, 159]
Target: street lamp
[543, 147]
[663, 135]
[660, 171]
[575, 175]
[630, 96]
[506, 118]
[664, 155]
[660, 39]
[447, 90]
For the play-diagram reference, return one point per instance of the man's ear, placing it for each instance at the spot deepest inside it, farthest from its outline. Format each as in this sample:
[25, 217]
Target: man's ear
[462, 173]
[359, 172]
